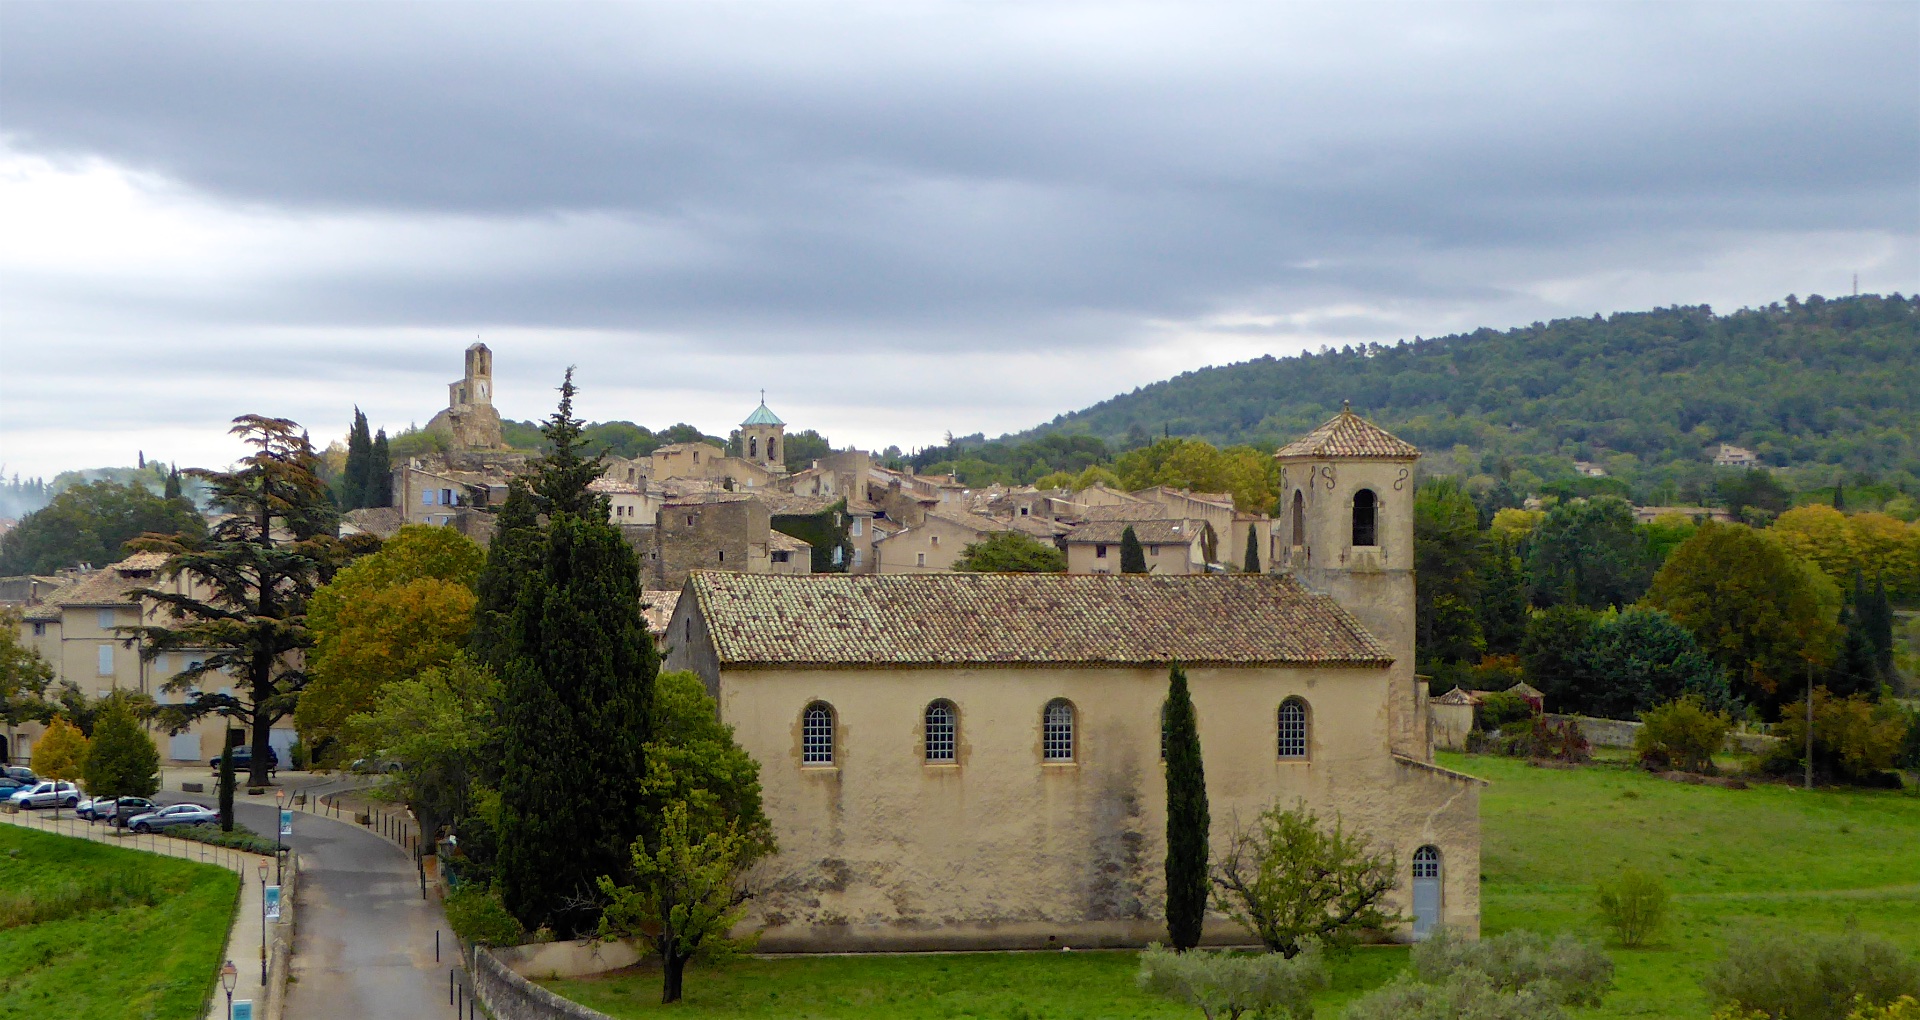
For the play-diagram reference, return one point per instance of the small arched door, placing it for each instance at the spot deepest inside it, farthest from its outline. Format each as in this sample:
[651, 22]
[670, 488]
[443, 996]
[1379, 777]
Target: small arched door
[1426, 891]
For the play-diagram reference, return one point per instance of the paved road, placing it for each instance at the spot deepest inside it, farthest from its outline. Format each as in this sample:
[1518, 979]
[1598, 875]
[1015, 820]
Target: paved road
[364, 937]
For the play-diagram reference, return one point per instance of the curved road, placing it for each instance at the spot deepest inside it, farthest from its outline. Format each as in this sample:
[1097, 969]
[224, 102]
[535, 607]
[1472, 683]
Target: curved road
[363, 936]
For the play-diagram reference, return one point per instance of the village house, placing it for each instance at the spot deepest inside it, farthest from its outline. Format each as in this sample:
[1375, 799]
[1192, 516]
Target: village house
[80, 631]
[1729, 455]
[934, 544]
[1171, 546]
[971, 761]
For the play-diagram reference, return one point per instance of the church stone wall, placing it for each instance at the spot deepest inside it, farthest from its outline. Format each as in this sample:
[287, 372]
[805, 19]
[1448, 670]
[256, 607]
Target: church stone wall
[1002, 850]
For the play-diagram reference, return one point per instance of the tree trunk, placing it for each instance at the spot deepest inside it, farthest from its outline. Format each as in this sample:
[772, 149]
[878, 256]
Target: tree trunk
[675, 970]
[227, 744]
[261, 728]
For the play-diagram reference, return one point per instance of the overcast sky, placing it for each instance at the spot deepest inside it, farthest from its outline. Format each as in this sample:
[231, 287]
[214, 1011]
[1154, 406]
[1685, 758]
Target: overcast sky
[899, 219]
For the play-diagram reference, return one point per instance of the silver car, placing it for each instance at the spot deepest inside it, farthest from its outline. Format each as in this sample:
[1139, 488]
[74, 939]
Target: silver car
[168, 817]
[46, 794]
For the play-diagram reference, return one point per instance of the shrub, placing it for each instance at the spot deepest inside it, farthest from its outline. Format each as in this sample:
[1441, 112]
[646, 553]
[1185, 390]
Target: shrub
[1905, 1007]
[1561, 741]
[1291, 881]
[1681, 734]
[476, 914]
[1634, 905]
[1466, 997]
[1854, 739]
[210, 833]
[1500, 708]
[1223, 986]
[1566, 971]
[1812, 977]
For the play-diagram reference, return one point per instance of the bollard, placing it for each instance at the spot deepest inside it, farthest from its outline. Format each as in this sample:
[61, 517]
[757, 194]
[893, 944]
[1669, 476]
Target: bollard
[449, 975]
[436, 945]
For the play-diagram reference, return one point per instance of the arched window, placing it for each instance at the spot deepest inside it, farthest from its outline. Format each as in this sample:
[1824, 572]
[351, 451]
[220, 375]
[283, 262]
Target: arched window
[753, 447]
[1293, 728]
[941, 726]
[1365, 508]
[773, 448]
[1426, 890]
[1299, 520]
[1056, 741]
[816, 735]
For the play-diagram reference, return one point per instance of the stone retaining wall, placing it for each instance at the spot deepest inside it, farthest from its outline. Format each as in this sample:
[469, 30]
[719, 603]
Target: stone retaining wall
[1620, 733]
[541, 960]
[508, 996]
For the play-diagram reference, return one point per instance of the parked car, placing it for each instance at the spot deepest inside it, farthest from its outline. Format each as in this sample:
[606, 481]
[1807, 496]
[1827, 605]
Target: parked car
[243, 760]
[8, 784]
[19, 772]
[84, 809]
[117, 811]
[46, 794]
[168, 817]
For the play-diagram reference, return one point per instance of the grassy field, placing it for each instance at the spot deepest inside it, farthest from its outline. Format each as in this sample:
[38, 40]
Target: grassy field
[130, 962]
[1762, 859]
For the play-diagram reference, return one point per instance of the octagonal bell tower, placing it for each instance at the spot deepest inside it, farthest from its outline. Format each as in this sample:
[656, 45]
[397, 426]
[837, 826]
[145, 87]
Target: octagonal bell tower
[1346, 528]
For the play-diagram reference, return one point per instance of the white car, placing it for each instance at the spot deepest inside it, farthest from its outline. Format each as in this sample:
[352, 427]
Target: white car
[46, 794]
[168, 817]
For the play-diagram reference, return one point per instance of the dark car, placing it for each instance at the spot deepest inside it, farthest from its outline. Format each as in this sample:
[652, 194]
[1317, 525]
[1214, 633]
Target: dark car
[8, 784]
[117, 811]
[21, 773]
[243, 760]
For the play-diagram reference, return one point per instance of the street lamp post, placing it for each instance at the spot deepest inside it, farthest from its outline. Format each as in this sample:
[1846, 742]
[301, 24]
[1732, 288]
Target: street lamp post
[280, 804]
[228, 975]
[263, 924]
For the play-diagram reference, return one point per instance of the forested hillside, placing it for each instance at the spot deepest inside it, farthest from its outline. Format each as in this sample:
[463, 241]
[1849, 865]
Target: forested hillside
[1821, 387]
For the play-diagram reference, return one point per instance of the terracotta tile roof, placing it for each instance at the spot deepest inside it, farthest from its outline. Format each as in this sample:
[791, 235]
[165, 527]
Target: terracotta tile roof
[788, 504]
[1158, 532]
[780, 541]
[1126, 512]
[657, 607]
[1348, 435]
[972, 521]
[110, 586]
[881, 621]
[1036, 527]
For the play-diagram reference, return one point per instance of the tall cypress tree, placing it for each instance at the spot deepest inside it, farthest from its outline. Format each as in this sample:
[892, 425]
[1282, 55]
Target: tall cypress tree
[380, 472]
[512, 557]
[1876, 618]
[1252, 565]
[1839, 495]
[353, 481]
[1186, 818]
[173, 489]
[1854, 670]
[579, 669]
[1133, 559]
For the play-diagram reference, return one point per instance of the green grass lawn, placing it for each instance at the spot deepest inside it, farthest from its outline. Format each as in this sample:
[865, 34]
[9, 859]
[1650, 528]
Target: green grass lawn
[132, 962]
[1768, 858]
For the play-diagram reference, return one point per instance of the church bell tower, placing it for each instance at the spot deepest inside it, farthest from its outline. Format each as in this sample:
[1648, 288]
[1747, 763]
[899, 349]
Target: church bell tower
[763, 438]
[1346, 529]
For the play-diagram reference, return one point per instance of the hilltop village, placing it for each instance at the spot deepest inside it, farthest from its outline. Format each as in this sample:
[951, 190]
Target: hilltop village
[697, 506]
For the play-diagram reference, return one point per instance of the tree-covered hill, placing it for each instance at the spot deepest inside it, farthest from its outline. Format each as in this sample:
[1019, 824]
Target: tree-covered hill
[1821, 386]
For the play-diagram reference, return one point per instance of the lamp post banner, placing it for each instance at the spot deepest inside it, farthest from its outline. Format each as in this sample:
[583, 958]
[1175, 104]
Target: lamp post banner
[286, 821]
[273, 903]
[243, 1009]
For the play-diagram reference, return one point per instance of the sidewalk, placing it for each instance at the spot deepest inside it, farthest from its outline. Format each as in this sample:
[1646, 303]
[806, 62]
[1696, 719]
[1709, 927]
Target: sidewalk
[243, 939]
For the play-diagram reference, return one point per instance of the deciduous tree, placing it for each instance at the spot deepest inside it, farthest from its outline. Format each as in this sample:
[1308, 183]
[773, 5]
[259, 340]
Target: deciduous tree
[1449, 557]
[685, 896]
[1011, 552]
[1291, 881]
[61, 752]
[123, 761]
[1590, 553]
[91, 523]
[24, 677]
[1765, 615]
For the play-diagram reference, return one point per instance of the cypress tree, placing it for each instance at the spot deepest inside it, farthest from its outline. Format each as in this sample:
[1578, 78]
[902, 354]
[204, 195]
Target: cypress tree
[1839, 495]
[1854, 670]
[173, 485]
[1252, 565]
[512, 556]
[1186, 818]
[353, 481]
[1133, 559]
[1876, 617]
[380, 472]
[578, 683]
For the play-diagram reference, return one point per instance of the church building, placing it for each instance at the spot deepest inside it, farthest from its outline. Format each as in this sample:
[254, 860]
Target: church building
[972, 761]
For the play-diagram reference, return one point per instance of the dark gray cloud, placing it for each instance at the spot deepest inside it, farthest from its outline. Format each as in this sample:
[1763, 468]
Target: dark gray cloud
[912, 181]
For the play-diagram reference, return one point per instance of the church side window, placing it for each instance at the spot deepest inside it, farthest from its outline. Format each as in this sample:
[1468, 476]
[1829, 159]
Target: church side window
[941, 731]
[1057, 732]
[816, 735]
[773, 448]
[1293, 728]
[1366, 508]
[1426, 862]
[1299, 519]
[753, 446]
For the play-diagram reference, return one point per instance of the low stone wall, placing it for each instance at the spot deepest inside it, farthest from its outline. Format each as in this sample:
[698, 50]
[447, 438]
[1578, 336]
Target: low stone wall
[539, 960]
[1620, 733]
[508, 996]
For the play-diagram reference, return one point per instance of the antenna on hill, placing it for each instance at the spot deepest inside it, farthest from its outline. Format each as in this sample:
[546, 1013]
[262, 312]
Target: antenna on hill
[1856, 285]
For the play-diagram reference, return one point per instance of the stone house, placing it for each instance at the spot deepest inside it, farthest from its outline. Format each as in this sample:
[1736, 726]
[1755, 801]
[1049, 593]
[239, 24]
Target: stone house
[712, 531]
[935, 544]
[1230, 525]
[1729, 455]
[1171, 546]
[77, 630]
